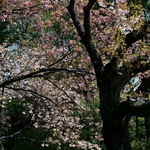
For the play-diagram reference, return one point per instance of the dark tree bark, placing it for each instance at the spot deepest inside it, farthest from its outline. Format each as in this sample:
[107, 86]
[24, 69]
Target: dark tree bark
[115, 114]
[144, 87]
[115, 124]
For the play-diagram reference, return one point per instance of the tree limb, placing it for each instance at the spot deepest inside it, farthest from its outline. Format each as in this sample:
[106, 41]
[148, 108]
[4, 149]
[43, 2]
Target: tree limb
[12, 135]
[38, 73]
[139, 66]
[75, 18]
[87, 19]
[134, 36]
[21, 9]
[138, 108]
[144, 86]
[85, 33]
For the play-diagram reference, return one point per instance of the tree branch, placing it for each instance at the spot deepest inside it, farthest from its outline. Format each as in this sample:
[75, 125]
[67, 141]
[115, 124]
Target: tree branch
[85, 33]
[75, 18]
[87, 19]
[38, 73]
[144, 86]
[12, 135]
[134, 36]
[35, 93]
[139, 66]
[138, 108]
[21, 9]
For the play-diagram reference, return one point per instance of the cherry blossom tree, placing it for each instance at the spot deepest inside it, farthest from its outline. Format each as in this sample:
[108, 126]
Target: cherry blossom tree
[44, 69]
[54, 68]
[122, 65]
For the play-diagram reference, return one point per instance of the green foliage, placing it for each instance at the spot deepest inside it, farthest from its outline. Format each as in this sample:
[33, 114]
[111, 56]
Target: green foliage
[148, 6]
[141, 128]
[65, 146]
[103, 146]
[29, 137]
[138, 139]
[142, 2]
[90, 121]
[24, 145]
[32, 139]
[27, 145]
[3, 31]
[138, 145]
[18, 113]
[21, 31]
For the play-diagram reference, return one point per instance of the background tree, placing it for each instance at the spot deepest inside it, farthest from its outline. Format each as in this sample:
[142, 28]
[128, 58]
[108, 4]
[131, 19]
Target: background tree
[43, 76]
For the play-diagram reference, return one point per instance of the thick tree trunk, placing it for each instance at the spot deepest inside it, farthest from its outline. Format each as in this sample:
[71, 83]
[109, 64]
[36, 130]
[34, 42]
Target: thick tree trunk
[110, 81]
[116, 138]
[115, 123]
[115, 132]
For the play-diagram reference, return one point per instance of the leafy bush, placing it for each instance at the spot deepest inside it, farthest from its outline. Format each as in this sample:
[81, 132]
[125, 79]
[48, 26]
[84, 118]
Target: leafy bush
[138, 145]
[137, 134]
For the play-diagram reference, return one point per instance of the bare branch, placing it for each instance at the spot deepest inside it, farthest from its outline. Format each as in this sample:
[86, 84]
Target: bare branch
[12, 135]
[35, 93]
[40, 73]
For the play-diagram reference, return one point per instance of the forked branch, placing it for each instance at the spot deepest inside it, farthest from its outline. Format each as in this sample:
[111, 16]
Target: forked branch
[75, 18]
[84, 32]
